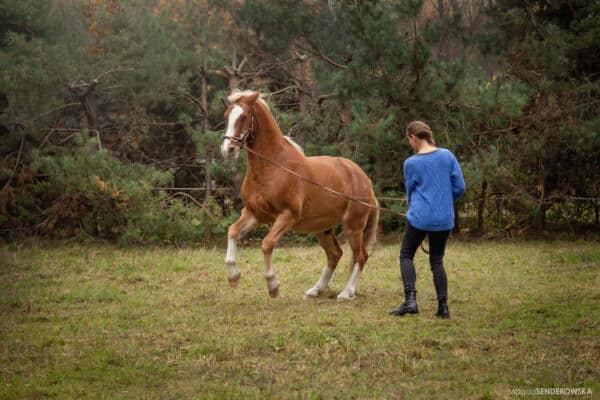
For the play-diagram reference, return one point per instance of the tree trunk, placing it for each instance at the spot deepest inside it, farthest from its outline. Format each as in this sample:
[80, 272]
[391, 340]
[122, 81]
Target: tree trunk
[441, 12]
[234, 80]
[456, 219]
[481, 208]
[416, 62]
[302, 77]
[540, 218]
[301, 135]
[207, 152]
[89, 107]
[455, 6]
[204, 102]
[88, 103]
[443, 45]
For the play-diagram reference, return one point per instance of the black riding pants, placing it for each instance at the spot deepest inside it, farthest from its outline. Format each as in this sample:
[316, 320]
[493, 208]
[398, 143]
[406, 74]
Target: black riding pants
[437, 244]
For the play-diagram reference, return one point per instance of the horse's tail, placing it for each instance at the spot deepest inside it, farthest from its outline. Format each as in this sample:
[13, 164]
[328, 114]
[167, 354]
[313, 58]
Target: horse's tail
[370, 231]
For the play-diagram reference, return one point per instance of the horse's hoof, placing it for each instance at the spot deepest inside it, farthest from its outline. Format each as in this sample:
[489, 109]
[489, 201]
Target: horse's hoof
[234, 284]
[274, 292]
[311, 294]
[345, 296]
[235, 280]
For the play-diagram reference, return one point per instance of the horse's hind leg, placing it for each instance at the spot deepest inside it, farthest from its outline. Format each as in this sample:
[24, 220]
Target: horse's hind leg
[333, 251]
[359, 258]
[236, 231]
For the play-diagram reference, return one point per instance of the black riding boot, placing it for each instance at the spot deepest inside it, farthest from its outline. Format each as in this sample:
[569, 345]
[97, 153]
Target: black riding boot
[409, 306]
[443, 311]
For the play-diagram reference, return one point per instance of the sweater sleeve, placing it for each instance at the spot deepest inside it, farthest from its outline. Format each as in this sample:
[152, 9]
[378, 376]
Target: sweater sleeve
[409, 180]
[456, 177]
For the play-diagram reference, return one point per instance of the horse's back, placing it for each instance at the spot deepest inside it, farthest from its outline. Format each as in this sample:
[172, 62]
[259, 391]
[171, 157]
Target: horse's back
[340, 171]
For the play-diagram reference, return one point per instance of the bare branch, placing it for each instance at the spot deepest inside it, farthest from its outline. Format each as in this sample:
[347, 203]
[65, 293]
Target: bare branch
[196, 103]
[509, 129]
[230, 72]
[52, 130]
[111, 71]
[56, 109]
[265, 69]
[452, 103]
[14, 171]
[282, 90]
[534, 22]
[188, 196]
[586, 105]
[61, 129]
[68, 138]
[191, 189]
[294, 87]
[324, 97]
[241, 66]
[218, 72]
[317, 52]
[89, 89]
[89, 86]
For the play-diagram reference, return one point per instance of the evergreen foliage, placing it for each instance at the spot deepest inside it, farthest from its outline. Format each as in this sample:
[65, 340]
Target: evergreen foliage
[103, 102]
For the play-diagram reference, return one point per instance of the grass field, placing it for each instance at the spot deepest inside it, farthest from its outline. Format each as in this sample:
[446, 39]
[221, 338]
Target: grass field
[99, 321]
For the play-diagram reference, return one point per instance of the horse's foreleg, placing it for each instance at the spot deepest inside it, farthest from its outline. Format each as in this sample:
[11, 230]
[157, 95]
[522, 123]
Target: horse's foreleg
[359, 258]
[333, 251]
[282, 224]
[236, 231]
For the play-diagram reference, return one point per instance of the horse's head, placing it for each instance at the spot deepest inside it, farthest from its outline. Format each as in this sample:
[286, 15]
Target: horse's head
[239, 123]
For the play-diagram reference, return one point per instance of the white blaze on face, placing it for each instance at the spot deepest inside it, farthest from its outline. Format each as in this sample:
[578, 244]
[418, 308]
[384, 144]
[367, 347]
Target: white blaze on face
[235, 113]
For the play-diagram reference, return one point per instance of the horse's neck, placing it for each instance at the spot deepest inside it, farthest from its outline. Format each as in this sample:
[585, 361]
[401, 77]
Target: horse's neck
[268, 142]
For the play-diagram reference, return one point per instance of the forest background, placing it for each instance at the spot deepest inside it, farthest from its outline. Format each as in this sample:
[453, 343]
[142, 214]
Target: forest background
[111, 112]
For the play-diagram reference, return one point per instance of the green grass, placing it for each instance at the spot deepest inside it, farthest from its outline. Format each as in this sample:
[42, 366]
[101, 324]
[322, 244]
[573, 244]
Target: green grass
[99, 321]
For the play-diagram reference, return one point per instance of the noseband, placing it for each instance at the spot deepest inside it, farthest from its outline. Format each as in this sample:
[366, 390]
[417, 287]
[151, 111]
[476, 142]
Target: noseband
[247, 137]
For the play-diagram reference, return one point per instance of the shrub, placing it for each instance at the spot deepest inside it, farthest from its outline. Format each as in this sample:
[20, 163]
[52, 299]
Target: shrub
[85, 193]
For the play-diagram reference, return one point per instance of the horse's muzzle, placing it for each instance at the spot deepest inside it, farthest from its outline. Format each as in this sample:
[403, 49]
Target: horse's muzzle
[229, 152]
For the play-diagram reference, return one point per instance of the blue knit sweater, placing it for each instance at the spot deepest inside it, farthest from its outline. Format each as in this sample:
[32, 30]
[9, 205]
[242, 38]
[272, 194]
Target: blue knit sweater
[433, 181]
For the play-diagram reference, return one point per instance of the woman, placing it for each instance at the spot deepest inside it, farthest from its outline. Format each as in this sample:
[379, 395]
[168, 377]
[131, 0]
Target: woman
[433, 181]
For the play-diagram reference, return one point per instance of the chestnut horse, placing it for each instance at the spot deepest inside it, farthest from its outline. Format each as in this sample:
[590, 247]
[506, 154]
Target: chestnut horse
[274, 196]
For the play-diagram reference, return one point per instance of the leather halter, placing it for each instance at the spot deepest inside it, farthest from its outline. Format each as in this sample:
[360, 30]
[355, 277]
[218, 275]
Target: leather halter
[247, 137]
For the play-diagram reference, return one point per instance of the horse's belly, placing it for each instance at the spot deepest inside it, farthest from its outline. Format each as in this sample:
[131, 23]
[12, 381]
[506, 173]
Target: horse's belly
[319, 218]
[315, 225]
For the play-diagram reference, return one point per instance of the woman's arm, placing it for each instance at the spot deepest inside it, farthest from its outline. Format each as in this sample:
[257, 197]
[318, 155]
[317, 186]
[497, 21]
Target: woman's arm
[457, 180]
[409, 180]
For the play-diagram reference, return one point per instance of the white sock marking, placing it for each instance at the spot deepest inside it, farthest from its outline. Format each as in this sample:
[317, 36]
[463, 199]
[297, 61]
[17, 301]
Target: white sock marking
[232, 271]
[272, 281]
[321, 284]
[350, 290]
[230, 258]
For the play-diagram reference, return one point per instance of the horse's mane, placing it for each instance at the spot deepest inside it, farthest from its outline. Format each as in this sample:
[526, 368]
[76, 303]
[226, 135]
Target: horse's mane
[237, 94]
[294, 144]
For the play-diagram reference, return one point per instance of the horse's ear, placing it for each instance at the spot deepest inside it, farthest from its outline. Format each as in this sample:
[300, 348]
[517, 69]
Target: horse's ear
[251, 99]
